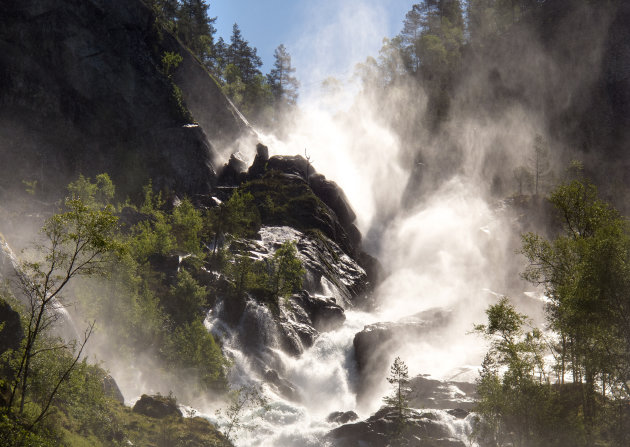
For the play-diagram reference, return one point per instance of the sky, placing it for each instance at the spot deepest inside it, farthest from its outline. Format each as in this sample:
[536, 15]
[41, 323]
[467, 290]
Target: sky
[324, 37]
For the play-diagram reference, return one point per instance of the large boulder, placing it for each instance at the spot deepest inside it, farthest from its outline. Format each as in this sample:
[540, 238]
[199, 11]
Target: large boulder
[342, 417]
[157, 406]
[324, 313]
[458, 397]
[376, 345]
[111, 389]
[11, 331]
[421, 430]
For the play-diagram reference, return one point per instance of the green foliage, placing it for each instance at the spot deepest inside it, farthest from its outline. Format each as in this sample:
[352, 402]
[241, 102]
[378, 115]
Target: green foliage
[286, 272]
[192, 348]
[238, 216]
[187, 225]
[179, 106]
[270, 279]
[97, 194]
[13, 433]
[31, 186]
[585, 275]
[241, 400]
[399, 399]
[283, 84]
[516, 402]
[186, 299]
[287, 202]
[170, 61]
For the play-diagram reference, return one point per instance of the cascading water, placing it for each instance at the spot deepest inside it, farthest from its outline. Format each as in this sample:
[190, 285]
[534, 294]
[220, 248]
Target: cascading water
[449, 251]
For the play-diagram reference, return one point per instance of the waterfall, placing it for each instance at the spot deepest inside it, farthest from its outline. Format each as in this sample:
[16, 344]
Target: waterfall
[11, 271]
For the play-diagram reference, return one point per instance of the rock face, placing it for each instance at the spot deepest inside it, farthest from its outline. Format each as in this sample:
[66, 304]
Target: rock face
[342, 417]
[111, 389]
[458, 397]
[422, 430]
[157, 406]
[11, 332]
[376, 344]
[331, 213]
[83, 92]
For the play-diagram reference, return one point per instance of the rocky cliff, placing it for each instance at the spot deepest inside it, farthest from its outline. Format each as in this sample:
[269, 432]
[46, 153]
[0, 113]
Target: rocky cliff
[83, 91]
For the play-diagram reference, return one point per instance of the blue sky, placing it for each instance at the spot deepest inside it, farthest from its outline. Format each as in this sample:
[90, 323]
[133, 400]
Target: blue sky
[324, 37]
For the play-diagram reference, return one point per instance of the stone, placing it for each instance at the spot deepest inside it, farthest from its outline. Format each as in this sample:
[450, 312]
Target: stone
[342, 417]
[324, 313]
[233, 172]
[259, 166]
[83, 91]
[111, 389]
[157, 406]
[421, 430]
[11, 333]
[283, 386]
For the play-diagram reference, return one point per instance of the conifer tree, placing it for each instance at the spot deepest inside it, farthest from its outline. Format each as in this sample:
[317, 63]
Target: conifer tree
[196, 28]
[283, 84]
[398, 400]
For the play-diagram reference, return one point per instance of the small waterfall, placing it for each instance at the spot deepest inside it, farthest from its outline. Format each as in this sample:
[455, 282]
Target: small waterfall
[11, 271]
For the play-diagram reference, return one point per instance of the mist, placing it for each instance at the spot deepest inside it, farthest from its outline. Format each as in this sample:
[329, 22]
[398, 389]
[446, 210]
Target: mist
[435, 205]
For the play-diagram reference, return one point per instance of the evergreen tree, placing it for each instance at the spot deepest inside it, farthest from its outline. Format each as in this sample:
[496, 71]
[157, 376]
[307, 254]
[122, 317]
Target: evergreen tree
[242, 56]
[540, 164]
[195, 28]
[399, 400]
[283, 84]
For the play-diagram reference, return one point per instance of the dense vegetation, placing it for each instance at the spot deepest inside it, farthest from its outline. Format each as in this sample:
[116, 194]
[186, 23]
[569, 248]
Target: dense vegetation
[143, 272]
[263, 99]
[581, 398]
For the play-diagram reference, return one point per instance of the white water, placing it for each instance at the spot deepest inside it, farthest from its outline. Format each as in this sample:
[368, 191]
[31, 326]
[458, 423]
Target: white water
[445, 253]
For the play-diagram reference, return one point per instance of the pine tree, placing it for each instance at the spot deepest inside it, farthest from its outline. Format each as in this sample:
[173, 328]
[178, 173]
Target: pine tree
[242, 56]
[283, 84]
[195, 28]
[540, 164]
[399, 379]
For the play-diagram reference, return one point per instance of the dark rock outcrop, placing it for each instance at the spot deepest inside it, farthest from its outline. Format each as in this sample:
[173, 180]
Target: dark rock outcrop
[259, 165]
[376, 344]
[342, 417]
[157, 406]
[111, 389]
[331, 213]
[324, 313]
[83, 91]
[283, 386]
[431, 393]
[11, 331]
[421, 430]
[233, 172]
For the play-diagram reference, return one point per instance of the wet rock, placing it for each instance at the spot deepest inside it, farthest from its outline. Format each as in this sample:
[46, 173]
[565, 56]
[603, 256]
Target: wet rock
[342, 417]
[83, 91]
[375, 346]
[157, 406]
[259, 166]
[332, 195]
[283, 386]
[11, 332]
[111, 389]
[421, 430]
[324, 313]
[459, 413]
[233, 172]
[432, 393]
[290, 164]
